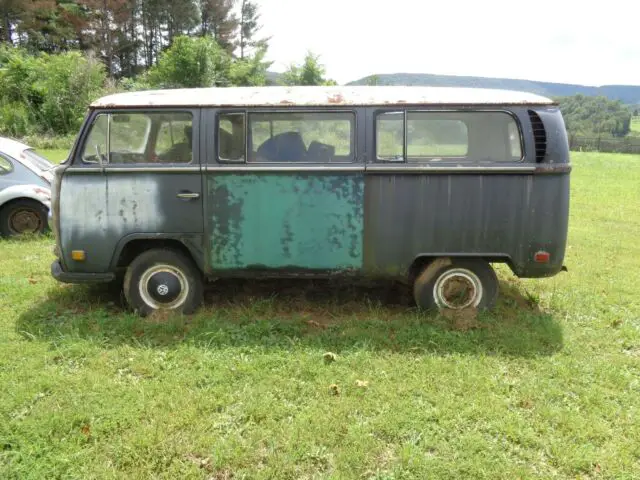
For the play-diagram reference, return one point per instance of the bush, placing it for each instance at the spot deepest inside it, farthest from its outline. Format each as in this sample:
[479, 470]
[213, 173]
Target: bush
[15, 120]
[191, 62]
[69, 83]
[46, 94]
[49, 142]
[131, 84]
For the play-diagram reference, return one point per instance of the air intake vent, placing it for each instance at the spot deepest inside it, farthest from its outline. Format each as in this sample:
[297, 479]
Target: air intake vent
[539, 134]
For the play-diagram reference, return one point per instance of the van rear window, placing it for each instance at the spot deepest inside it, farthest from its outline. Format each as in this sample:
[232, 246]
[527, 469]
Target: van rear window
[430, 136]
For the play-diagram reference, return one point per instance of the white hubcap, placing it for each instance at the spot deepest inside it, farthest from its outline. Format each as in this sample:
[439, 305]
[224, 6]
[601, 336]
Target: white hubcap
[147, 292]
[457, 289]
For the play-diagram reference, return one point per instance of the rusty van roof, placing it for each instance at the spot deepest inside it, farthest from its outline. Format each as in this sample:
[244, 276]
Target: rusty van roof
[318, 96]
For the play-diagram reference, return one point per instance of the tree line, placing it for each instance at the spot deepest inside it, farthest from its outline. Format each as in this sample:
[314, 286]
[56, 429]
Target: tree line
[127, 35]
[595, 116]
[131, 37]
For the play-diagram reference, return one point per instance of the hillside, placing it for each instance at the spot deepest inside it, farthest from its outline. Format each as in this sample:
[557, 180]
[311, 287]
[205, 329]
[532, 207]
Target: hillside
[628, 94]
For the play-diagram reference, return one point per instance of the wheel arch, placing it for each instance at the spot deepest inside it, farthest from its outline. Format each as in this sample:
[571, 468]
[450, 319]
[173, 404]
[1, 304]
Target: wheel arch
[131, 246]
[24, 192]
[10, 201]
[421, 261]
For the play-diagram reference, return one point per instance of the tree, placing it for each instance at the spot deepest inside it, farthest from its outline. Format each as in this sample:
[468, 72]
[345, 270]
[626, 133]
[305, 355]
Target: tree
[191, 62]
[50, 25]
[249, 26]
[129, 43]
[182, 16]
[585, 115]
[130, 35]
[10, 12]
[217, 19]
[250, 71]
[105, 18]
[311, 72]
[150, 19]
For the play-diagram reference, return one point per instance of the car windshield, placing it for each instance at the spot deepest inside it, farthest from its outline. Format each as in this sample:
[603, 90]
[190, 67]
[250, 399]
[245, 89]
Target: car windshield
[38, 161]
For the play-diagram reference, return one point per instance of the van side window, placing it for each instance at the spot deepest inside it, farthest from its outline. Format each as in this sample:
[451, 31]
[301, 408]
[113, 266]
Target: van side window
[390, 136]
[432, 136]
[145, 137]
[436, 135]
[306, 137]
[174, 140]
[95, 145]
[514, 140]
[231, 137]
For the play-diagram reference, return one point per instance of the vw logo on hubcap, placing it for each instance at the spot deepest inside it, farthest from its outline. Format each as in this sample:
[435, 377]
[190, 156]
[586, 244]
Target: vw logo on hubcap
[164, 286]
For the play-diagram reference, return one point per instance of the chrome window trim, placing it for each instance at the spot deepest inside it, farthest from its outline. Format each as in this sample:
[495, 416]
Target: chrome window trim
[309, 167]
[165, 168]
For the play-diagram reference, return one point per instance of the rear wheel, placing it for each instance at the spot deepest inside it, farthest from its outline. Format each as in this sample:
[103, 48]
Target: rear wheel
[456, 284]
[22, 217]
[163, 280]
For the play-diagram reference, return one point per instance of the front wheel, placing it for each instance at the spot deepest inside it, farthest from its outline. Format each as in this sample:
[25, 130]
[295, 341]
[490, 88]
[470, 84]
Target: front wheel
[456, 284]
[163, 279]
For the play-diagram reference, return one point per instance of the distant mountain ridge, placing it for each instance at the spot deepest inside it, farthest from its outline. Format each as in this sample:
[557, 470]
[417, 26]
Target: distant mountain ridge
[629, 94]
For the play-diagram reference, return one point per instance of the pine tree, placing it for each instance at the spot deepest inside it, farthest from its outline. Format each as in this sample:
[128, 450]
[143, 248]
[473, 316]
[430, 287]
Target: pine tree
[249, 26]
[218, 20]
[10, 12]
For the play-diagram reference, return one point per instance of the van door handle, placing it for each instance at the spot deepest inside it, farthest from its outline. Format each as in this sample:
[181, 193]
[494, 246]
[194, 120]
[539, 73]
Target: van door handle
[188, 195]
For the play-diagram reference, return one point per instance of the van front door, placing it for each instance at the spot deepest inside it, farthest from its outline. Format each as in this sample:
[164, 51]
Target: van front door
[142, 181]
[154, 180]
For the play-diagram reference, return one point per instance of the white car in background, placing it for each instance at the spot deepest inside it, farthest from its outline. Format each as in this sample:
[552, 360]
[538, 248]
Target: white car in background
[25, 189]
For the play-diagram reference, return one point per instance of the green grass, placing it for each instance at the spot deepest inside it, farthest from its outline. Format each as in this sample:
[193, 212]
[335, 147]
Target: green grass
[548, 386]
[54, 155]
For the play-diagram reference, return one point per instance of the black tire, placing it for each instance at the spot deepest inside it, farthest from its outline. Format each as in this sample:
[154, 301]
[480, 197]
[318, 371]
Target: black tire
[163, 280]
[23, 216]
[456, 284]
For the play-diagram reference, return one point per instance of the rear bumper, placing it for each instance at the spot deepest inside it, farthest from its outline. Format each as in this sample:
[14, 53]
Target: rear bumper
[538, 270]
[66, 277]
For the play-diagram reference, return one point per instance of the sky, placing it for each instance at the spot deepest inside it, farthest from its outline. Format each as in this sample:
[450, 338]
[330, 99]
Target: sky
[565, 41]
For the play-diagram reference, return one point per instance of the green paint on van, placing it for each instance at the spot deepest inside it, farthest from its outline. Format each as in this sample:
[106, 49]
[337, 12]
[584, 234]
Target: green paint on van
[281, 220]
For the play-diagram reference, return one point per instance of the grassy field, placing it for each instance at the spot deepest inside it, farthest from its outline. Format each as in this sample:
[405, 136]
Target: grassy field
[547, 386]
[57, 155]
